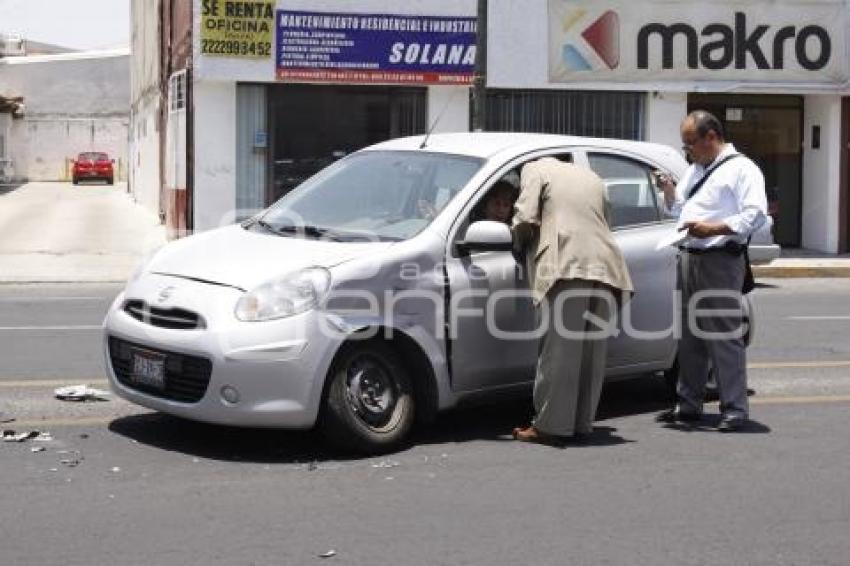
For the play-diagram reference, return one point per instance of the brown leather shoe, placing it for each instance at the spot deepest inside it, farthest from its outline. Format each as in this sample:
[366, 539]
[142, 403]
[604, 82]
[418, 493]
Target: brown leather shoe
[531, 434]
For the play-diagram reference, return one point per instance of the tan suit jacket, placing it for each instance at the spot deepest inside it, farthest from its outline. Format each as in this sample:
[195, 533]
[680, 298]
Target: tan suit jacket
[561, 219]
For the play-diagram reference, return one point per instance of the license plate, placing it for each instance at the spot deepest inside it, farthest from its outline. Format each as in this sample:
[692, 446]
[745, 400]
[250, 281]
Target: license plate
[149, 369]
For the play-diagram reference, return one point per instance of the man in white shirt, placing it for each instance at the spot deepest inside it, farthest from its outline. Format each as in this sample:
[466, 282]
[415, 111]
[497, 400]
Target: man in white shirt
[720, 201]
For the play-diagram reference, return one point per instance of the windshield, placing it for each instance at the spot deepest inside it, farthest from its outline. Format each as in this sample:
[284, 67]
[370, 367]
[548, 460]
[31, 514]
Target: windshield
[383, 195]
[93, 157]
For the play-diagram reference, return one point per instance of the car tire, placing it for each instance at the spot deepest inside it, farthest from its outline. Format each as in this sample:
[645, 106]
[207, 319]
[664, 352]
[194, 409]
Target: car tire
[109, 181]
[369, 405]
[75, 181]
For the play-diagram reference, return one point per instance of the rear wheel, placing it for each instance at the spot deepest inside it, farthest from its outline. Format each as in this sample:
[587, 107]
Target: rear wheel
[109, 181]
[75, 181]
[369, 406]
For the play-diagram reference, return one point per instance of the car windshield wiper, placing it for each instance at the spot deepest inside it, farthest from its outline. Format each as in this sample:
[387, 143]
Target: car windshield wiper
[268, 227]
[310, 231]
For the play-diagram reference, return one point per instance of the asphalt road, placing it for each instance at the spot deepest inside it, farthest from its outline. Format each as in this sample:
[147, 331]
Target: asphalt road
[150, 489]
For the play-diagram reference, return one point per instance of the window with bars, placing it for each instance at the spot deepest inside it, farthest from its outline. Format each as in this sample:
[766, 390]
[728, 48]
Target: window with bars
[579, 113]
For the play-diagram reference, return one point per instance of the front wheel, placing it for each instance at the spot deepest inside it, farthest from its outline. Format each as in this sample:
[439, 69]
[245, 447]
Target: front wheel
[369, 406]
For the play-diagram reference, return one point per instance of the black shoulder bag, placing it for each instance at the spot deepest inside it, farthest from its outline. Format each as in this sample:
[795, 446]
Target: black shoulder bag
[749, 281]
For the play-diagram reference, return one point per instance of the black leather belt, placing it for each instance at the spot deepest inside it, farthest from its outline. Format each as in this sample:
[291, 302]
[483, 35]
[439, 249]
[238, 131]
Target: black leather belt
[733, 248]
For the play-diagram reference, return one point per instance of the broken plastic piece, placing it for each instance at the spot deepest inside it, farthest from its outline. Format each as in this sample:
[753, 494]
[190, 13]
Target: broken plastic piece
[328, 554]
[81, 393]
[12, 436]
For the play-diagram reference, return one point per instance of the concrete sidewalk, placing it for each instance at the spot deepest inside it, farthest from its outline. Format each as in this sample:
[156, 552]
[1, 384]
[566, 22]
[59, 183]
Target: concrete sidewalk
[59, 232]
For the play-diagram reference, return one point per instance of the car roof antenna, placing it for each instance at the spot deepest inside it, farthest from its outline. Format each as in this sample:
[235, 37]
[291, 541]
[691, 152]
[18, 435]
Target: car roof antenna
[437, 119]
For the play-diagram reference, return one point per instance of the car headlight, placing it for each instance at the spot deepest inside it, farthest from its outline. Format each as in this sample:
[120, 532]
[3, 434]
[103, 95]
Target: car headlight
[287, 296]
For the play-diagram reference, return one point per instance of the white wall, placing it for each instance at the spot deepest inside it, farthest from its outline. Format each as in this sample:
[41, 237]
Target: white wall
[42, 148]
[451, 105]
[821, 173]
[665, 112]
[215, 154]
[144, 155]
[73, 102]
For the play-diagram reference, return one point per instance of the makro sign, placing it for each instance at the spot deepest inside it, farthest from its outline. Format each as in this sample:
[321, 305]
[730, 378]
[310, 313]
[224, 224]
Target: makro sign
[764, 42]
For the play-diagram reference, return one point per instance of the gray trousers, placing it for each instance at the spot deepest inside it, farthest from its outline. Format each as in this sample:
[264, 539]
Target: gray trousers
[570, 370]
[710, 272]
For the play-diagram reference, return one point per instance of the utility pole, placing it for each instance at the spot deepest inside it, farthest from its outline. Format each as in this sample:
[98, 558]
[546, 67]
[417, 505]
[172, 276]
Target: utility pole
[479, 81]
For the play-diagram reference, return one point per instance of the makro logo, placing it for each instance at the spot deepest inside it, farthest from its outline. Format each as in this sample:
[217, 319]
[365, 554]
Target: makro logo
[602, 37]
[719, 46]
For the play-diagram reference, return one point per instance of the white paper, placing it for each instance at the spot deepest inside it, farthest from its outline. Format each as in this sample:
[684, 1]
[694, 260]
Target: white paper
[674, 239]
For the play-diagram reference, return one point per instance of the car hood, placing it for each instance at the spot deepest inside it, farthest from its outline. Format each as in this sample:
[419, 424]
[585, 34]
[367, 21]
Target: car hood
[240, 258]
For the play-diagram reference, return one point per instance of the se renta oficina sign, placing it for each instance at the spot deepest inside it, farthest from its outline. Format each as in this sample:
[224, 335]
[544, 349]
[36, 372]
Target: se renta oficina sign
[374, 48]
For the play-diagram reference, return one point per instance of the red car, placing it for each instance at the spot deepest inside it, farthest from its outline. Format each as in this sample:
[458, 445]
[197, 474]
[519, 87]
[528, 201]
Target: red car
[93, 165]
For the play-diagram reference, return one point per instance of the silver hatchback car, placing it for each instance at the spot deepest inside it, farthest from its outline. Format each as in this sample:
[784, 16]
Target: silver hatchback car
[377, 293]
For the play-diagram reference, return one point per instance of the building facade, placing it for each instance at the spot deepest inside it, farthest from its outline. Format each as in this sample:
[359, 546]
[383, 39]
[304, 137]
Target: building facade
[275, 90]
[69, 103]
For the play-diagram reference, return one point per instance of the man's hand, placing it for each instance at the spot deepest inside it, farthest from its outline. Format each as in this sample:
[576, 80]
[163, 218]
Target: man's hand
[666, 184]
[707, 229]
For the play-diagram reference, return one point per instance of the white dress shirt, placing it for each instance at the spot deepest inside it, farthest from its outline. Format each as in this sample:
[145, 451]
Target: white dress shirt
[733, 195]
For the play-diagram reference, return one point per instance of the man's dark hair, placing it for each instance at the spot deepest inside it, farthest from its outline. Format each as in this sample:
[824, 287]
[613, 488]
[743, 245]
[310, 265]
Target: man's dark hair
[705, 122]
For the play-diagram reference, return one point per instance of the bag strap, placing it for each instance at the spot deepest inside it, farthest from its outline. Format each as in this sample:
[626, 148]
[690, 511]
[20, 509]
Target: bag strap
[705, 177]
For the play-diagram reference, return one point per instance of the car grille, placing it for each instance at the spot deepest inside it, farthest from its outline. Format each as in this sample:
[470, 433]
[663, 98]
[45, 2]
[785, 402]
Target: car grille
[186, 377]
[177, 319]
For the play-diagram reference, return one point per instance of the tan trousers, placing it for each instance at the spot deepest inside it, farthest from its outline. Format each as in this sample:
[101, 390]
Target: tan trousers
[570, 370]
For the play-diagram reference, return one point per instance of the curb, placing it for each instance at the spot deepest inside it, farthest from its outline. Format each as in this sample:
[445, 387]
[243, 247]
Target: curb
[801, 271]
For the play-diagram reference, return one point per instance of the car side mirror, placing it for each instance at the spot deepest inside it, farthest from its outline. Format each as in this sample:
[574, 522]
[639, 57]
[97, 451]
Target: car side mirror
[486, 236]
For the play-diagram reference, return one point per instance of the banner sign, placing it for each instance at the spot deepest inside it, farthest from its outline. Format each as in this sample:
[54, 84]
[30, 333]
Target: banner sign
[374, 48]
[761, 41]
[237, 29]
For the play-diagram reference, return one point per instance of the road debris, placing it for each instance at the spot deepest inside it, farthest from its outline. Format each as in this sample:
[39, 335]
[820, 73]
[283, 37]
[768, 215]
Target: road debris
[115, 470]
[12, 436]
[386, 464]
[5, 418]
[37, 449]
[80, 393]
[313, 466]
[328, 554]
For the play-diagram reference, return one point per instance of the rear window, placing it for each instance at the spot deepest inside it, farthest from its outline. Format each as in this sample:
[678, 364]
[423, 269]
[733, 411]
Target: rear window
[93, 156]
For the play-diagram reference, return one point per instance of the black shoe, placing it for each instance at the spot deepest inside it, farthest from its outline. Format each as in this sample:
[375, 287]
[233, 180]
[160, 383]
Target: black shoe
[677, 416]
[731, 424]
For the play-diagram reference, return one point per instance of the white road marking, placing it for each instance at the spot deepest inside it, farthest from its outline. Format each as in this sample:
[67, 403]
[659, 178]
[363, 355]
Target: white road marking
[788, 365]
[46, 299]
[37, 328]
[93, 381]
[815, 318]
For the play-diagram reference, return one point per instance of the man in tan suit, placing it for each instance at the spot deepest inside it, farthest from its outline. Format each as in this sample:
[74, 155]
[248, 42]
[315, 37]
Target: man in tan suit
[577, 273]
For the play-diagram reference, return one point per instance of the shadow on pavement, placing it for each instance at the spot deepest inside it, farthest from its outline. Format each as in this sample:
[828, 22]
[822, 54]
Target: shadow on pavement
[8, 188]
[709, 424]
[488, 422]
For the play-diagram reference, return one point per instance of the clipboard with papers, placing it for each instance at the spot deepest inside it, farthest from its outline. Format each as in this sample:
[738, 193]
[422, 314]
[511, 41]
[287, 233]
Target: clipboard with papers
[674, 239]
